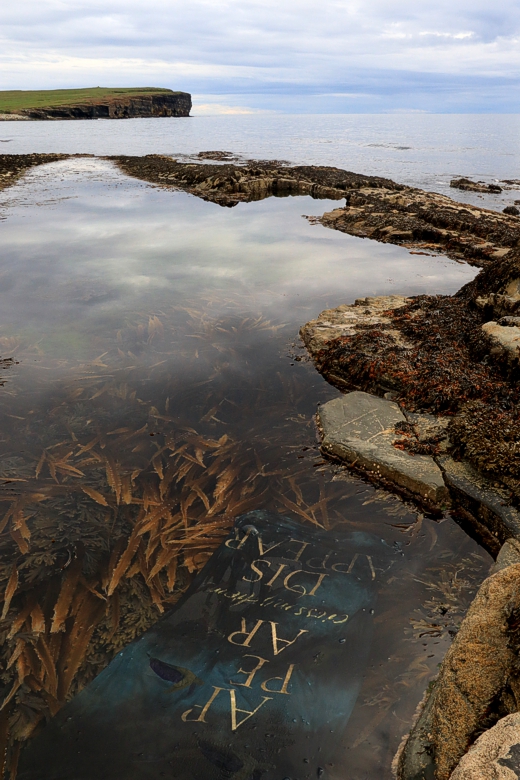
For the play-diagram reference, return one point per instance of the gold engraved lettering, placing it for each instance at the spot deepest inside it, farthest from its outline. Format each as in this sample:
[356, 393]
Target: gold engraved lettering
[295, 588]
[285, 682]
[343, 620]
[320, 580]
[205, 708]
[241, 542]
[322, 565]
[264, 550]
[251, 674]
[286, 642]
[234, 709]
[303, 545]
[318, 616]
[273, 579]
[244, 632]
[336, 566]
[256, 570]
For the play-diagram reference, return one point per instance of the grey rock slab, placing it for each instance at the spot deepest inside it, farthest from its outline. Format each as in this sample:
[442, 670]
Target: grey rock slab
[359, 429]
[495, 755]
[487, 504]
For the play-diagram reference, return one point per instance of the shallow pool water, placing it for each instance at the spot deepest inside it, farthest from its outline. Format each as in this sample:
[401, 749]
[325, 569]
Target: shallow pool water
[158, 383]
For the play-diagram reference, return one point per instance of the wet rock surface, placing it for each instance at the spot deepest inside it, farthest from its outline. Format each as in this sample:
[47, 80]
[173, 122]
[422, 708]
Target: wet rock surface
[495, 755]
[362, 430]
[474, 186]
[440, 355]
[343, 322]
[12, 166]
[505, 339]
[229, 183]
[426, 222]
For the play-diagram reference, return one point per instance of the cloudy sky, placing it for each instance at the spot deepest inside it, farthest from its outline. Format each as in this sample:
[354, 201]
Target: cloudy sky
[311, 56]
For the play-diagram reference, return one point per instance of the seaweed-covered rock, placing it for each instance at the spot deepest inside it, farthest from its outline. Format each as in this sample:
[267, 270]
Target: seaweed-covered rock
[477, 684]
[452, 356]
[376, 207]
[474, 186]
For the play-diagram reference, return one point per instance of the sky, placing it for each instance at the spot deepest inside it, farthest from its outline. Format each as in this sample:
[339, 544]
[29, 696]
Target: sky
[290, 56]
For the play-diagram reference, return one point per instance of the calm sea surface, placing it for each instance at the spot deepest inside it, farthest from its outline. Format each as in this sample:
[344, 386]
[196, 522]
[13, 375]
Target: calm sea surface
[135, 311]
[424, 150]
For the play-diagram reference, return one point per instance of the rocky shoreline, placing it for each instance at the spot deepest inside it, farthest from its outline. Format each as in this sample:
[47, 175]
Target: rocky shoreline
[429, 407]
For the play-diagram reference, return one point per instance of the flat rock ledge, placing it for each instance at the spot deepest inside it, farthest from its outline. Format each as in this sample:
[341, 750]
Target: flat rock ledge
[360, 429]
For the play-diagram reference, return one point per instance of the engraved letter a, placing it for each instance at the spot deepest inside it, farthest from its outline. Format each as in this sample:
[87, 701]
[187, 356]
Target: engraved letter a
[244, 632]
[286, 642]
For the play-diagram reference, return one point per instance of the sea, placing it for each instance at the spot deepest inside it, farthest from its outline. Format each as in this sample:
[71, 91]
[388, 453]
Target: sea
[419, 149]
[152, 333]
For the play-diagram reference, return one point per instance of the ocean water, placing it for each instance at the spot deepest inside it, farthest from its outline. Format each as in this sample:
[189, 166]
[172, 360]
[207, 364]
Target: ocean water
[155, 349]
[423, 150]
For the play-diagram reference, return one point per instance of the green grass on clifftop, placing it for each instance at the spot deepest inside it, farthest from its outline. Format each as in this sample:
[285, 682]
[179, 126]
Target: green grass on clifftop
[15, 100]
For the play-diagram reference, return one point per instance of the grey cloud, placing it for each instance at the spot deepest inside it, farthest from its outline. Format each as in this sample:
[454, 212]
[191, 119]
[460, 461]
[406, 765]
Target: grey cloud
[247, 46]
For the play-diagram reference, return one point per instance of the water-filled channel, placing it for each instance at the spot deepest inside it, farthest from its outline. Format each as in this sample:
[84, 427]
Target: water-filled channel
[157, 391]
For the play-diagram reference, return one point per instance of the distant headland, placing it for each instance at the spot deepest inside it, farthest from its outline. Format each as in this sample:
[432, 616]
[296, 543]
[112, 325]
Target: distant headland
[93, 103]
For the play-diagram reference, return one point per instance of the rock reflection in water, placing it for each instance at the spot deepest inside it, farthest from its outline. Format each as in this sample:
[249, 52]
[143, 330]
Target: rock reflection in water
[135, 430]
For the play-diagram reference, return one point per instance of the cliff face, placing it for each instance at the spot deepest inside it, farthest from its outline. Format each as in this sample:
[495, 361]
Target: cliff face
[124, 107]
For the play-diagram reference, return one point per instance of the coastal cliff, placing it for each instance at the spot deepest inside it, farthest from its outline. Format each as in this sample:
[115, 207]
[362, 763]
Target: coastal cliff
[176, 104]
[95, 103]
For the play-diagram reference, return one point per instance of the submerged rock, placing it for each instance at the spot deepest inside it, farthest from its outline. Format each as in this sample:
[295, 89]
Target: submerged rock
[360, 429]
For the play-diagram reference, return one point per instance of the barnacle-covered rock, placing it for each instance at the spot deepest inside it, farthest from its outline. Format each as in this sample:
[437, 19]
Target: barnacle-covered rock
[477, 684]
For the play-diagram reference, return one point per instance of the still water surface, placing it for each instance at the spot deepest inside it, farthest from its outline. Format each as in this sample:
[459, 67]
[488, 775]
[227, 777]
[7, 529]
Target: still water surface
[156, 344]
[422, 150]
